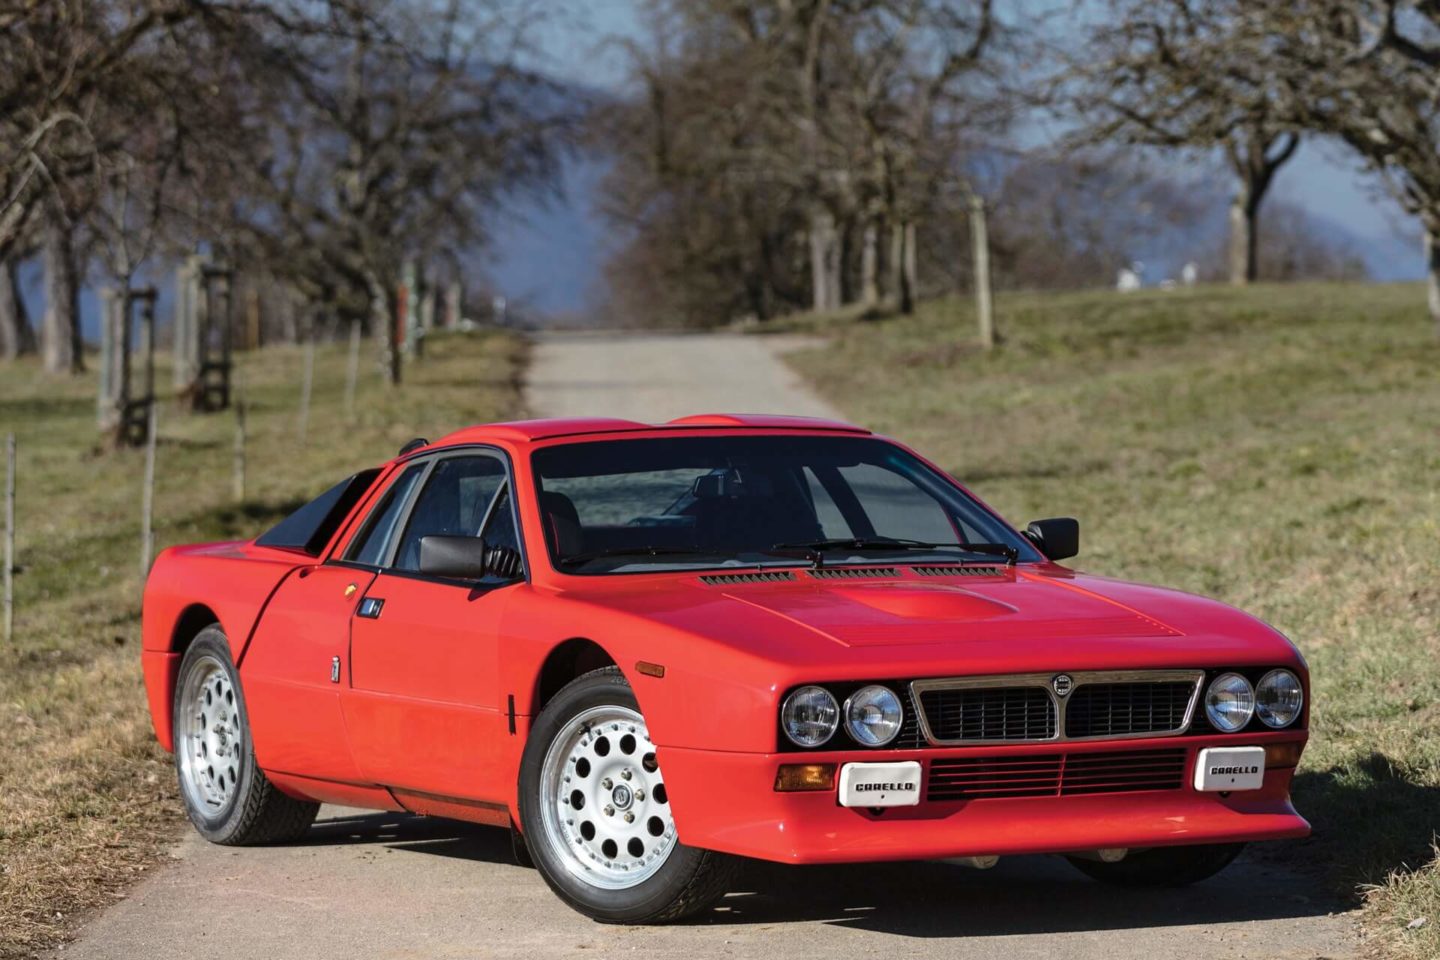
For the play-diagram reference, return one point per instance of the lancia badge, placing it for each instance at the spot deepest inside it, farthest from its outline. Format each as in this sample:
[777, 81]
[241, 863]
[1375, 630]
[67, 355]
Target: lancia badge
[1063, 684]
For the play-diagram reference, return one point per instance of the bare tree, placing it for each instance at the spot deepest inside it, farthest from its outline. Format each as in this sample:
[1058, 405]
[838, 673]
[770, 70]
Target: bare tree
[367, 133]
[1364, 71]
[1174, 74]
[17, 336]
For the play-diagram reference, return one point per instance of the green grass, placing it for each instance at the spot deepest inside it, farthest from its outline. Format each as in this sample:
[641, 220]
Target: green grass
[86, 798]
[1277, 448]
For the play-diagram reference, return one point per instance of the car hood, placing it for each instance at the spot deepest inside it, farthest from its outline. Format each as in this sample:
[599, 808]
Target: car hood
[1042, 614]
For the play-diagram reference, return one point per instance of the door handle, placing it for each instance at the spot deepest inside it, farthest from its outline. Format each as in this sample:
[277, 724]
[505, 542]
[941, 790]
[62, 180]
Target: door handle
[370, 608]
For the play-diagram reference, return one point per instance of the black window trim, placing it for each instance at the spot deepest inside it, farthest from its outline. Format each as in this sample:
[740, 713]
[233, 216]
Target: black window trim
[430, 459]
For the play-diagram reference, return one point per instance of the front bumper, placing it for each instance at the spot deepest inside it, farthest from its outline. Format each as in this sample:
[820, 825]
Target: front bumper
[727, 802]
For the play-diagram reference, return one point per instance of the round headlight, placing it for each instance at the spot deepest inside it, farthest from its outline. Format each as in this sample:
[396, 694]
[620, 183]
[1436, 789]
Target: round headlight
[1278, 698]
[1230, 702]
[809, 716]
[873, 715]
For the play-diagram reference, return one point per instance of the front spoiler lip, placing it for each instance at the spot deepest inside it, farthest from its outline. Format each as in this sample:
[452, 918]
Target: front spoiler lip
[727, 802]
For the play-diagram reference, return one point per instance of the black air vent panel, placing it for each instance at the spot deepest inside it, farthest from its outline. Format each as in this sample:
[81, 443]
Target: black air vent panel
[853, 573]
[756, 576]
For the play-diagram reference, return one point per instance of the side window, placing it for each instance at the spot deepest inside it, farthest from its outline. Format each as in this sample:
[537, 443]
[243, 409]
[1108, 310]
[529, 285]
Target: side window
[500, 528]
[373, 543]
[896, 506]
[454, 503]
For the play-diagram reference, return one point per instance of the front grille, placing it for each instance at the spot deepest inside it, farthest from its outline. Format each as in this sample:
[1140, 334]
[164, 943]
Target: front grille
[853, 573]
[989, 714]
[1127, 709]
[772, 576]
[1100, 705]
[1055, 774]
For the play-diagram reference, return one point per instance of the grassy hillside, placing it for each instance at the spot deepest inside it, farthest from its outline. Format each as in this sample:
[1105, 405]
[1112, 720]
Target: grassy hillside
[86, 798]
[1277, 448]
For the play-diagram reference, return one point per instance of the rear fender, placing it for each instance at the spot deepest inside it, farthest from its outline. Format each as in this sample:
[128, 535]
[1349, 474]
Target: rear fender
[188, 589]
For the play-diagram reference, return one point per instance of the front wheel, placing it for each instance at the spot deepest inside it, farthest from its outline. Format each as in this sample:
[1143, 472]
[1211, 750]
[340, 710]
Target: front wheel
[596, 815]
[228, 797]
[1162, 866]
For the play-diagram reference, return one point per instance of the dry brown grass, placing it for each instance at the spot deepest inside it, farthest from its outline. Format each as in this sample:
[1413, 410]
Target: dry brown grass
[1276, 448]
[87, 800]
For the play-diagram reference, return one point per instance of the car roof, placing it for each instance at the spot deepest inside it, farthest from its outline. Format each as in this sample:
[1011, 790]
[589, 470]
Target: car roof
[525, 431]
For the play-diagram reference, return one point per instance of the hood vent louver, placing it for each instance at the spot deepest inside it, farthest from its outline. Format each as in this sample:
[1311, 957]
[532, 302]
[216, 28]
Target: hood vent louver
[853, 573]
[759, 576]
[958, 571]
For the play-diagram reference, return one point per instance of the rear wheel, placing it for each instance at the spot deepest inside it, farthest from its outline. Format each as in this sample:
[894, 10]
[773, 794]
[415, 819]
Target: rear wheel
[596, 815]
[1162, 866]
[228, 798]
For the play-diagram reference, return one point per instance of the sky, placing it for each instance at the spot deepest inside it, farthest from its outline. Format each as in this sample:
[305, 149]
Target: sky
[551, 256]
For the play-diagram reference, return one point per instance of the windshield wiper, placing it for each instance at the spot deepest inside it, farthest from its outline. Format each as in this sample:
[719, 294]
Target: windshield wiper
[817, 548]
[645, 551]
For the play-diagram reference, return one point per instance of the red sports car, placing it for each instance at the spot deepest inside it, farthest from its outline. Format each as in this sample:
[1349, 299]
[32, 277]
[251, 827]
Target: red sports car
[650, 651]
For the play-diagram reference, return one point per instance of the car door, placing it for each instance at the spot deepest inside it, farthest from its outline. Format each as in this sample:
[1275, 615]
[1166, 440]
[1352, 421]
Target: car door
[423, 706]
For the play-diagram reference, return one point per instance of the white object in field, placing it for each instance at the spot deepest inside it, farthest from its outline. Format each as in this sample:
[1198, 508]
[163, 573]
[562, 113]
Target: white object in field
[880, 784]
[1127, 280]
[1190, 273]
[1230, 768]
[1167, 284]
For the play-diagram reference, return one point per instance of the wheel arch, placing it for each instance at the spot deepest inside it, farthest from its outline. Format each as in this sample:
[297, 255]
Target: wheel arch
[162, 668]
[566, 661]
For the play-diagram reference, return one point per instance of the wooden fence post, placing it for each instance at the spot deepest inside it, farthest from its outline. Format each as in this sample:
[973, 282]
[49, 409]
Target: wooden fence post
[10, 469]
[352, 369]
[237, 484]
[307, 386]
[147, 501]
[980, 242]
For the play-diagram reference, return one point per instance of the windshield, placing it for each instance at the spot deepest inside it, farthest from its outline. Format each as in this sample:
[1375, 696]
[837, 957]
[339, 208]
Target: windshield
[644, 505]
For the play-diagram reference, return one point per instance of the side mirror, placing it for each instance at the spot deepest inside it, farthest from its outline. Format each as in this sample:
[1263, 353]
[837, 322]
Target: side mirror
[1058, 538]
[458, 558]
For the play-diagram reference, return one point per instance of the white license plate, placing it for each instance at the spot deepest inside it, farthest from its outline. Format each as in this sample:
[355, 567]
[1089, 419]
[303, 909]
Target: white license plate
[880, 784]
[1230, 768]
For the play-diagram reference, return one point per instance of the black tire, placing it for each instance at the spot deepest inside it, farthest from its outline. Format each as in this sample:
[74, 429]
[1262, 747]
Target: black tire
[689, 881]
[519, 849]
[255, 811]
[1162, 866]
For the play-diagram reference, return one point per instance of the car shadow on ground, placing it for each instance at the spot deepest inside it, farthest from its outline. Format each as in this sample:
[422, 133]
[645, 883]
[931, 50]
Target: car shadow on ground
[408, 832]
[927, 899]
[1022, 895]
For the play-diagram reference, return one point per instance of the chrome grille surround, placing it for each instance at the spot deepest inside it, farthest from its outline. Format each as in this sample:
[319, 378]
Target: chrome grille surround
[1029, 681]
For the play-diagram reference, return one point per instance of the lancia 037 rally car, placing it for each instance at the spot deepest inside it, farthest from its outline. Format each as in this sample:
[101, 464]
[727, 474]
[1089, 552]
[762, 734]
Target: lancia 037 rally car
[650, 651]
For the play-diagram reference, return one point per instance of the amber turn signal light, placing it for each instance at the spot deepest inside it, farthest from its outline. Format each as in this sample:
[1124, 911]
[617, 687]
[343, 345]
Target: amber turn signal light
[795, 777]
[1283, 754]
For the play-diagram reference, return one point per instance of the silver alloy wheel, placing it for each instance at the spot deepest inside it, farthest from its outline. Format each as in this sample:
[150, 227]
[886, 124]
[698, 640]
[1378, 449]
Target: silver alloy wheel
[210, 737]
[602, 799]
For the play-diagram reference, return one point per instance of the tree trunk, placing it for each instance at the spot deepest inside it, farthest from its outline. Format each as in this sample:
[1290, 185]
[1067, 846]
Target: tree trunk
[60, 331]
[1432, 276]
[905, 259]
[1244, 263]
[824, 261]
[17, 337]
[383, 303]
[870, 265]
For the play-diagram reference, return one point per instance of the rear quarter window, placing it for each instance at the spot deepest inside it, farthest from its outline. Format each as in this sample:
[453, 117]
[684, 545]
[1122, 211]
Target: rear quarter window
[310, 528]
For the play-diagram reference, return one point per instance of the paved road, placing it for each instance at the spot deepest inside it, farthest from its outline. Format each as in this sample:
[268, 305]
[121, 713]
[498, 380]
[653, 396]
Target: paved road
[382, 886]
[657, 377]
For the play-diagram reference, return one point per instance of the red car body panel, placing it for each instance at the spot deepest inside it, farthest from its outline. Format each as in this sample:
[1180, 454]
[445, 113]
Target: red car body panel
[433, 701]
